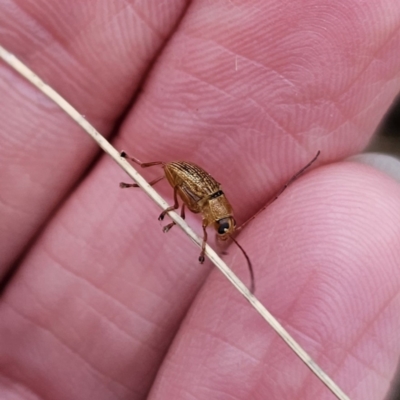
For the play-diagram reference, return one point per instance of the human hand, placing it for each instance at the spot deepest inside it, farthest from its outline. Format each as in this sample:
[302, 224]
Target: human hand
[101, 304]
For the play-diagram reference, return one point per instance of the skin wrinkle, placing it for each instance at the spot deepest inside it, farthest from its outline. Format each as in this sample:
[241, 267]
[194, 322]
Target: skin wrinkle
[140, 52]
[149, 344]
[202, 80]
[252, 100]
[144, 289]
[42, 305]
[310, 377]
[378, 95]
[53, 41]
[290, 311]
[223, 340]
[114, 299]
[369, 367]
[38, 14]
[264, 67]
[69, 349]
[37, 184]
[275, 342]
[52, 255]
[102, 317]
[21, 92]
[214, 393]
[11, 206]
[368, 325]
[221, 125]
[125, 255]
[186, 392]
[40, 43]
[373, 57]
[350, 119]
[276, 122]
[334, 131]
[246, 34]
[359, 383]
[80, 66]
[365, 377]
[260, 380]
[135, 11]
[309, 339]
[235, 53]
[261, 387]
[157, 327]
[209, 387]
[352, 236]
[333, 99]
[80, 239]
[224, 305]
[344, 357]
[337, 365]
[329, 40]
[4, 373]
[85, 216]
[78, 82]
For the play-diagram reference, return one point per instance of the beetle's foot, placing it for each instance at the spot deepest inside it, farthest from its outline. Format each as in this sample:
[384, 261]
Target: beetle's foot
[168, 227]
[128, 185]
[161, 217]
[123, 154]
[201, 258]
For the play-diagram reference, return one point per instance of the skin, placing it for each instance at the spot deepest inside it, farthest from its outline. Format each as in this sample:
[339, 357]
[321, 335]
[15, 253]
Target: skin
[98, 303]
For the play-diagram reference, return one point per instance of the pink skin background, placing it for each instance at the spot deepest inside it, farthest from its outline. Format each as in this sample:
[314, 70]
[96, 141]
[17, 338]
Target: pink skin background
[101, 304]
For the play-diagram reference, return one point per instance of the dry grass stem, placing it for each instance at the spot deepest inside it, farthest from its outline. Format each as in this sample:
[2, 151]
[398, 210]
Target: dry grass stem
[21, 68]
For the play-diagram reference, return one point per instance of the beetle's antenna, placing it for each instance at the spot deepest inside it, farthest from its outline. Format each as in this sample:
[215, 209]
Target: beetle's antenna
[252, 286]
[289, 182]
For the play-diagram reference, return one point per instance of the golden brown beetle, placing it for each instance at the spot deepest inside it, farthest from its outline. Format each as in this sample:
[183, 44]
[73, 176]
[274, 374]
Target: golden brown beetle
[201, 193]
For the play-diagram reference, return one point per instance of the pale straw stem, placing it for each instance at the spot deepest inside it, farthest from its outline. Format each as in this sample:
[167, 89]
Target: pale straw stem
[21, 68]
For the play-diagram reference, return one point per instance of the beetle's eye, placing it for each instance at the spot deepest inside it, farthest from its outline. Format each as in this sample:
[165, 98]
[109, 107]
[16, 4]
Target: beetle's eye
[223, 226]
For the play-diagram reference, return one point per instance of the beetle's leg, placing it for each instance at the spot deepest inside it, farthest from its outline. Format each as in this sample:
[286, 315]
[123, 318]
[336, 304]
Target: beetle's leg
[128, 185]
[143, 165]
[169, 226]
[203, 245]
[174, 207]
[290, 181]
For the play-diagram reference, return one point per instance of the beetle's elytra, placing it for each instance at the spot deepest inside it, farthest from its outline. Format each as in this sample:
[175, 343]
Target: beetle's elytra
[201, 193]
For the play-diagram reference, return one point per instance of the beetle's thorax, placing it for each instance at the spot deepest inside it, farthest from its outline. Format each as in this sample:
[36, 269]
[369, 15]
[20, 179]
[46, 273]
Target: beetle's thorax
[219, 206]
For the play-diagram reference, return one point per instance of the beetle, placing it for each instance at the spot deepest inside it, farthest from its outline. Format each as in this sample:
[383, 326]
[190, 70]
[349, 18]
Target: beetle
[201, 193]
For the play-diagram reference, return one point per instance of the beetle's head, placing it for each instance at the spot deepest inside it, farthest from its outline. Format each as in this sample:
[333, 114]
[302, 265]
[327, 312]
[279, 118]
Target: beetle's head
[225, 227]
